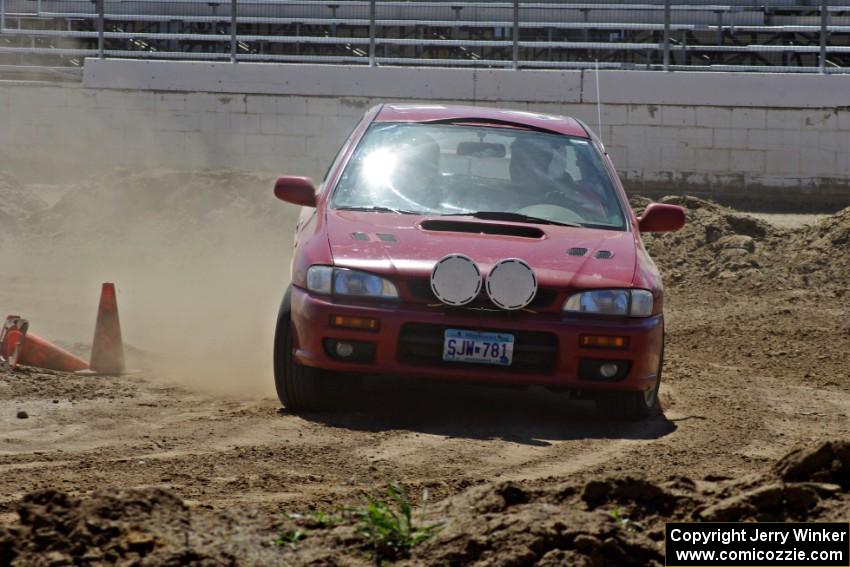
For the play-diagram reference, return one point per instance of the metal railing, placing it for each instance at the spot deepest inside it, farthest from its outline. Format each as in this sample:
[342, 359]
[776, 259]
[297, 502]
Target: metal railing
[783, 35]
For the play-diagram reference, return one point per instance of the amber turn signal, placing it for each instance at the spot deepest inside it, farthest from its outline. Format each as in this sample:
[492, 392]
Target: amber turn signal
[361, 323]
[603, 341]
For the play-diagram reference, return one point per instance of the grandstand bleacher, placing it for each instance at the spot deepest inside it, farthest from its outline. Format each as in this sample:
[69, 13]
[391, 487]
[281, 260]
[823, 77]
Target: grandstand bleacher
[779, 35]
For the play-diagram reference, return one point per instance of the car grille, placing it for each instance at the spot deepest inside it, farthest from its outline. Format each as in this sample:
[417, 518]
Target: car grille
[422, 344]
[420, 290]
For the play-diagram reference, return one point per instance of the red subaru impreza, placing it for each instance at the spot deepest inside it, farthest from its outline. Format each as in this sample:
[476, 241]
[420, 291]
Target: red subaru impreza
[476, 244]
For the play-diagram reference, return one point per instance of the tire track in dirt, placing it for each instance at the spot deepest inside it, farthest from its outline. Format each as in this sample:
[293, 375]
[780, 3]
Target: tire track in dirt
[756, 363]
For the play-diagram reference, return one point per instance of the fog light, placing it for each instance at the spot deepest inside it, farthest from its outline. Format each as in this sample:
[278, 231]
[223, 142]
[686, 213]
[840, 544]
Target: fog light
[344, 350]
[603, 370]
[607, 370]
[350, 351]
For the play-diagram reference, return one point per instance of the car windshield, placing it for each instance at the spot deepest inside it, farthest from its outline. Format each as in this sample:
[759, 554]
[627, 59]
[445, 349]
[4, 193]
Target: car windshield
[442, 169]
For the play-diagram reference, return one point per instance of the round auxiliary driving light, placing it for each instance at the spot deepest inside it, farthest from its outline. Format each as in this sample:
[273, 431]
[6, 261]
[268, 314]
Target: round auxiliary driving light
[344, 350]
[456, 280]
[511, 284]
[608, 370]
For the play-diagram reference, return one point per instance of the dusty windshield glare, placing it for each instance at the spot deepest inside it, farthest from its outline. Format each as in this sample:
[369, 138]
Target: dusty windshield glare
[457, 169]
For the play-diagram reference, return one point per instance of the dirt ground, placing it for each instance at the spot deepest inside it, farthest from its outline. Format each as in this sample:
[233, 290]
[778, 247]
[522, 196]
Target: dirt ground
[191, 460]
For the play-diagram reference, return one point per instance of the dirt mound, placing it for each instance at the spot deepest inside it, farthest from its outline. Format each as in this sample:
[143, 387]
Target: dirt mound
[612, 521]
[618, 520]
[506, 524]
[716, 242]
[723, 244]
[770, 503]
[139, 527]
[649, 498]
[821, 253]
[17, 204]
[162, 205]
[829, 462]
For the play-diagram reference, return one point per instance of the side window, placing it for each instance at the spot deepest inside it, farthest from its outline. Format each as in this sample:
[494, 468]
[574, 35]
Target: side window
[339, 155]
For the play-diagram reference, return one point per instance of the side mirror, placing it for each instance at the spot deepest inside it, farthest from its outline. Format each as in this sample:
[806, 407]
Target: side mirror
[659, 217]
[296, 190]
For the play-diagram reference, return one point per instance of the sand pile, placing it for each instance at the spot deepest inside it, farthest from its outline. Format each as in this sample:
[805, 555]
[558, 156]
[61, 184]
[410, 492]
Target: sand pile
[821, 253]
[507, 524]
[162, 205]
[17, 205]
[134, 527]
[827, 463]
[620, 520]
[716, 243]
[612, 521]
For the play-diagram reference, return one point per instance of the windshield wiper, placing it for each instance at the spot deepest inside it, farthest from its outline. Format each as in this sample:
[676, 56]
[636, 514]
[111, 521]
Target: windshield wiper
[377, 209]
[508, 216]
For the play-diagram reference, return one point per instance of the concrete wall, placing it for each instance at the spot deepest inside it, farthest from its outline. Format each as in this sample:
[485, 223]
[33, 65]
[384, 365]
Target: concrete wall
[736, 135]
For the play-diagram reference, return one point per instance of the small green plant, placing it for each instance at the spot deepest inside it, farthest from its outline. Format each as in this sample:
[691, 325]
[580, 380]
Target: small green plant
[388, 525]
[621, 520]
[324, 520]
[290, 538]
[624, 522]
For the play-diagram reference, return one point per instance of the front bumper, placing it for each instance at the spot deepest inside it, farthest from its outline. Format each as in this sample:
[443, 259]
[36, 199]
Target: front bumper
[405, 343]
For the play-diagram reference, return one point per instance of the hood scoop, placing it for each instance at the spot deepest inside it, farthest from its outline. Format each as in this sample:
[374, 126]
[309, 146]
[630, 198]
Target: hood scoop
[442, 225]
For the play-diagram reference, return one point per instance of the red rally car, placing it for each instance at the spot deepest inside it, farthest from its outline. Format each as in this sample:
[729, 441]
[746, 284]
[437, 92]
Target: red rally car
[476, 244]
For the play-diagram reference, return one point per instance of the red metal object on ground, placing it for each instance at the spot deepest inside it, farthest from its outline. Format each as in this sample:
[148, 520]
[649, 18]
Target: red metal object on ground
[107, 355]
[11, 340]
[19, 346]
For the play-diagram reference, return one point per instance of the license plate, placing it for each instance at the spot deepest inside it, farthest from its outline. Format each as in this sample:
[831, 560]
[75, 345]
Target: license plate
[477, 347]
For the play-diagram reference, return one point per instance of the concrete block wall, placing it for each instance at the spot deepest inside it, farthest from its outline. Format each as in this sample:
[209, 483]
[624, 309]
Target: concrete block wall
[725, 135]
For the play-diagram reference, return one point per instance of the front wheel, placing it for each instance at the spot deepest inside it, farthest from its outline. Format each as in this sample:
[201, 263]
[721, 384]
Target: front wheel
[632, 406]
[298, 387]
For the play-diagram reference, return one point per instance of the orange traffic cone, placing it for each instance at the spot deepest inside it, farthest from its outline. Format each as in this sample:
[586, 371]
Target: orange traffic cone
[18, 346]
[107, 352]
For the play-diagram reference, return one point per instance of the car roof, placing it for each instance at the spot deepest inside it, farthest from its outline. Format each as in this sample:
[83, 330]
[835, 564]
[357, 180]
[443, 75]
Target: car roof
[440, 112]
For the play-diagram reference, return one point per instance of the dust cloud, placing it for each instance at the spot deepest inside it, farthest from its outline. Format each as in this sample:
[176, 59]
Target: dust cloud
[200, 259]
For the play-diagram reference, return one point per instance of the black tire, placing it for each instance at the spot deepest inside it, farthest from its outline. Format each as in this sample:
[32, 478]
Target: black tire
[632, 406]
[298, 387]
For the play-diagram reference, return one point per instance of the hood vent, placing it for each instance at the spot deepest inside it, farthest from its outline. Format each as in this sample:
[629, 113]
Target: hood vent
[521, 231]
[603, 255]
[577, 251]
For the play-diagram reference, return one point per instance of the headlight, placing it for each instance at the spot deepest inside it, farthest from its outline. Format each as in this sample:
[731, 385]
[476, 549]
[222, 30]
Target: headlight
[327, 280]
[319, 279]
[623, 302]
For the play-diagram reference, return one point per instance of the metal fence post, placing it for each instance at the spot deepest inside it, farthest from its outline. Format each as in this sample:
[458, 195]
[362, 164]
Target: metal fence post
[515, 54]
[101, 25]
[824, 22]
[667, 35]
[2, 15]
[373, 12]
[233, 31]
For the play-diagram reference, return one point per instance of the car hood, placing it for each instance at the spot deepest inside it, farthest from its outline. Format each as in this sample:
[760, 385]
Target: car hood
[398, 245]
